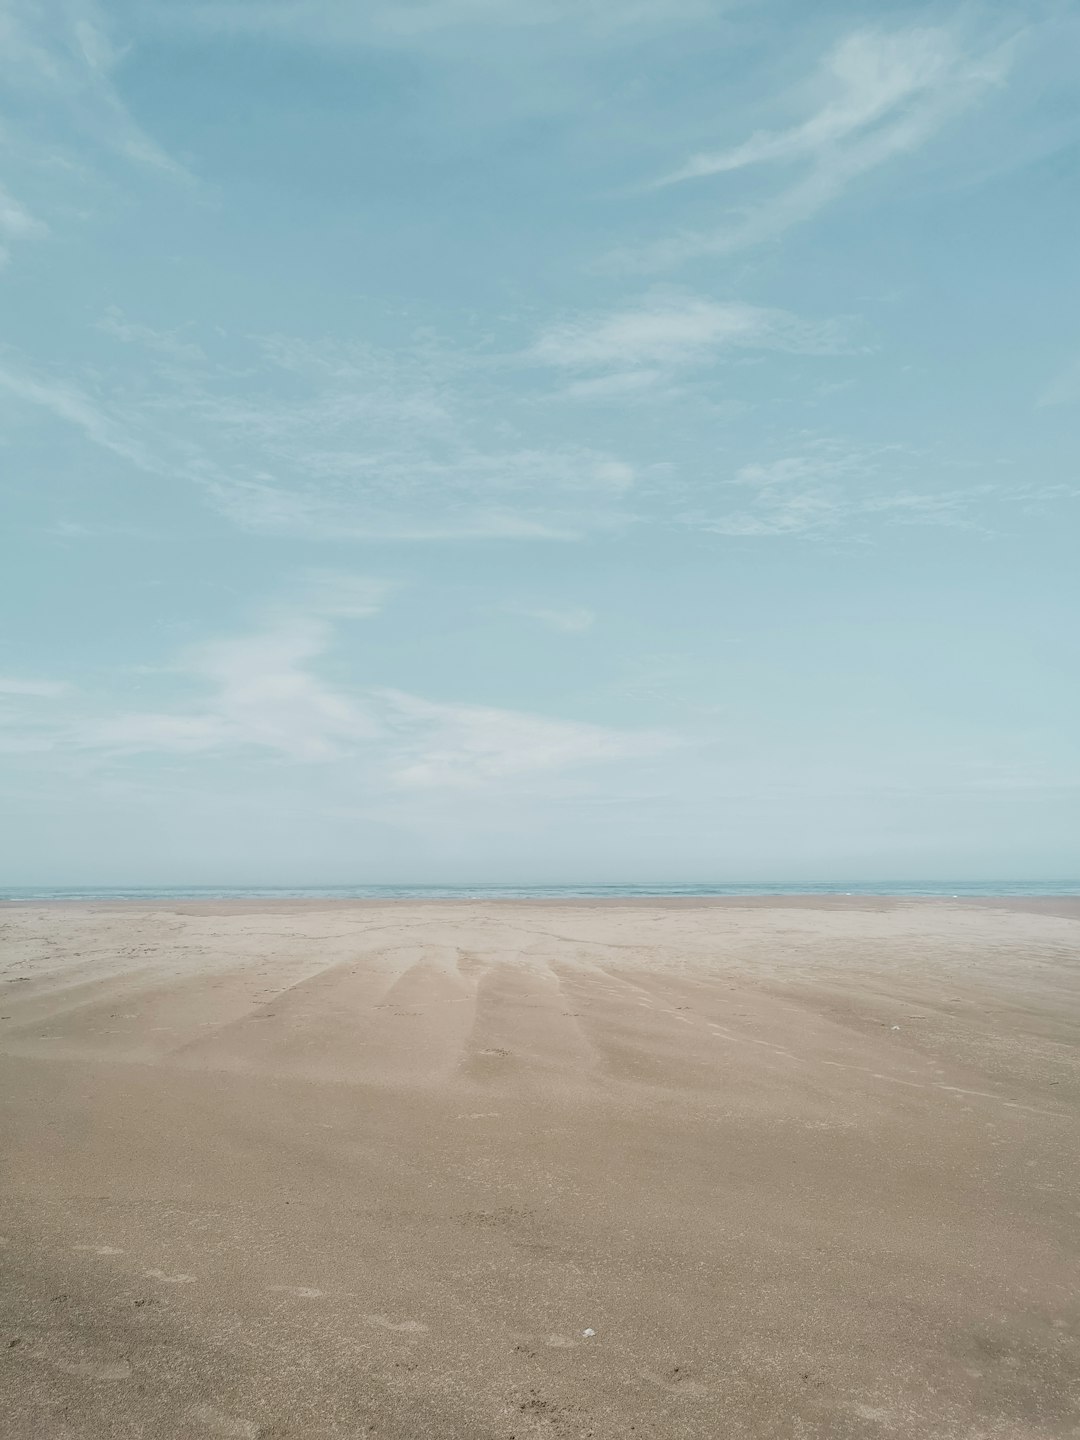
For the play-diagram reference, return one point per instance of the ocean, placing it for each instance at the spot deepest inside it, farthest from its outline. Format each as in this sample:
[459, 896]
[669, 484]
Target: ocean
[945, 889]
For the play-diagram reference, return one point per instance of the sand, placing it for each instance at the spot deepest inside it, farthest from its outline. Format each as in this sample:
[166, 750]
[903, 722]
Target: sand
[478, 1170]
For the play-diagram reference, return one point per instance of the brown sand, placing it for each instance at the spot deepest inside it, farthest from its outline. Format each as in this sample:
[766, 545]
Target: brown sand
[340, 1170]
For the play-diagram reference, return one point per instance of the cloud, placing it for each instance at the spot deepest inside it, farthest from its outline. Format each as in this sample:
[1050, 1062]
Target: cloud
[261, 691]
[69, 529]
[16, 222]
[617, 385]
[166, 342]
[673, 328]
[572, 619]
[57, 62]
[32, 689]
[337, 595]
[331, 441]
[821, 510]
[552, 494]
[645, 344]
[880, 94]
[875, 74]
[422, 23]
[441, 745]
[148, 732]
[73, 405]
[1064, 389]
[66, 125]
[260, 688]
[26, 725]
[828, 460]
[833, 487]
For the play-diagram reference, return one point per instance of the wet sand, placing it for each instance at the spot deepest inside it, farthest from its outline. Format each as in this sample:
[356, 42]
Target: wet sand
[490, 1171]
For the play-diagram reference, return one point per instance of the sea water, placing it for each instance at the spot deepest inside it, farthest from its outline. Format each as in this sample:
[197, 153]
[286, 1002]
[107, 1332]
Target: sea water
[946, 889]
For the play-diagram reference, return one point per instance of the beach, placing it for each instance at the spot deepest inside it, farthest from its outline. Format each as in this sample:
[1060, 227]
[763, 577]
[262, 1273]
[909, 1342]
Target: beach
[496, 1170]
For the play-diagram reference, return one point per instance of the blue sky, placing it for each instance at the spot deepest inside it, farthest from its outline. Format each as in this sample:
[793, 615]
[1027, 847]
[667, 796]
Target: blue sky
[523, 440]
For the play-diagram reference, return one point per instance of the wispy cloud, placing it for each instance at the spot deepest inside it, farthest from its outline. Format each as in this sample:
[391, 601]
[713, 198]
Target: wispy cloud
[554, 494]
[1064, 389]
[833, 488]
[170, 343]
[671, 328]
[573, 619]
[440, 745]
[262, 694]
[30, 718]
[880, 94]
[874, 75]
[329, 442]
[75, 406]
[261, 691]
[32, 689]
[814, 510]
[59, 62]
[619, 385]
[327, 594]
[69, 529]
[65, 119]
[16, 222]
[826, 460]
[422, 23]
[260, 688]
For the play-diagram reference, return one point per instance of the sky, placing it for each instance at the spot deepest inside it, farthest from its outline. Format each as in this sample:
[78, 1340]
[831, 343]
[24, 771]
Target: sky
[538, 441]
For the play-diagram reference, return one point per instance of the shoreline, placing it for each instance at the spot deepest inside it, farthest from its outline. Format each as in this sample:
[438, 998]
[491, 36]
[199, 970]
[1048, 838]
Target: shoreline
[1066, 906]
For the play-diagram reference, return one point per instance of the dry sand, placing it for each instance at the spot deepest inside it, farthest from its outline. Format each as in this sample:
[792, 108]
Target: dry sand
[338, 1170]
